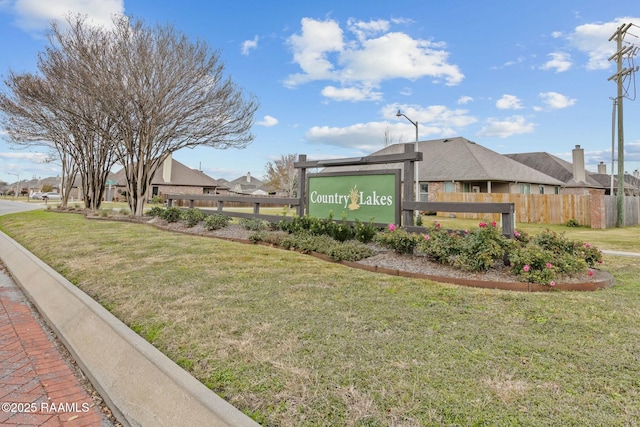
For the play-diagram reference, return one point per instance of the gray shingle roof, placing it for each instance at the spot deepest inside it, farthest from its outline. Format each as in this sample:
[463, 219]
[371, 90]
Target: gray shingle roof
[459, 159]
[555, 167]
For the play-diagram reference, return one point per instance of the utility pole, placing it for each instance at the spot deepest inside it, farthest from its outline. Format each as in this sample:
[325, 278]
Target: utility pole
[619, 77]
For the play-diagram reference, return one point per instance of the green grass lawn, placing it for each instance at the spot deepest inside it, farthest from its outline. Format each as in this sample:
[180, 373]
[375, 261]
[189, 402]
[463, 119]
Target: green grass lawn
[292, 340]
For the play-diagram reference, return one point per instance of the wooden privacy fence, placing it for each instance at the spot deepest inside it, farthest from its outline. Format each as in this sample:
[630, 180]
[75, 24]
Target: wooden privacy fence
[631, 210]
[529, 208]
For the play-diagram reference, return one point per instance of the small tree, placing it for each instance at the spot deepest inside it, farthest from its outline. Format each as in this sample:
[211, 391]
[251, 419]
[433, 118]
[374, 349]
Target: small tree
[281, 174]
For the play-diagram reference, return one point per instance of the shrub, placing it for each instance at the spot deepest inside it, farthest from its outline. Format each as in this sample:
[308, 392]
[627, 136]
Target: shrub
[264, 236]
[304, 241]
[481, 248]
[254, 224]
[549, 254]
[572, 223]
[156, 200]
[171, 214]
[192, 217]
[350, 251]
[397, 239]
[215, 222]
[533, 264]
[364, 232]
[552, 241]
[125, 212]
[156, 211]
[440, 245]
[341, 231]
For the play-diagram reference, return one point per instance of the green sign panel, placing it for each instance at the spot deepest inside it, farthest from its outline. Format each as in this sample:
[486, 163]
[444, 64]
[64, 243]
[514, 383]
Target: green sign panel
[367, 195]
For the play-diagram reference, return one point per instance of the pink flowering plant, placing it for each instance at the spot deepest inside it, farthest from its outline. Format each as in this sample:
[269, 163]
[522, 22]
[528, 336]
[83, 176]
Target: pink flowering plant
[442, 245]
[549, 255]
[543, 258]
[481, 248]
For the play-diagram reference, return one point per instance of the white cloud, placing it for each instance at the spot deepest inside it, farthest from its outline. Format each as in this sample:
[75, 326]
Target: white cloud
[311, 49]
[249, 45]
[324, 52]
[351, 94]
[433, 121]
[555, 100]
[268, 121]
[559, 61]
[364, 30]
[36, 15]
[593, 39]
[513, 125]
[463, 100]
[509, 102]
[436, 116]
[366, 137]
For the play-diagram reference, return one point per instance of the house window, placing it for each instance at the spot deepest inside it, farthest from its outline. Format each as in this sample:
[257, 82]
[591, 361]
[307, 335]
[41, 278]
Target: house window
[556, 190]
[424, 192]
[541, 189]
[449, 187]
[525, 188]
[466, 187]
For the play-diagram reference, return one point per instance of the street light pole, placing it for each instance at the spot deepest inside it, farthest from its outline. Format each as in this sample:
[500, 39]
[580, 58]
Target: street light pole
[416, 183]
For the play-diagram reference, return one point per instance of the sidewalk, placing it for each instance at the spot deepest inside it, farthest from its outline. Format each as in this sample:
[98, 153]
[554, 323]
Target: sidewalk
[37, 387]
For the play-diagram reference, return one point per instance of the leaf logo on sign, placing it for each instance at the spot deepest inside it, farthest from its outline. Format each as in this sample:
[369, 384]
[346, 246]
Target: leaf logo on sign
[353, 196]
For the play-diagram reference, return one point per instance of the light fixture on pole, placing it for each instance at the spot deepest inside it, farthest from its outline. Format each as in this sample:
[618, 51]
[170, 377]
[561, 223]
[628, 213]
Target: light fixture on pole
[417, 185]
[17, 183]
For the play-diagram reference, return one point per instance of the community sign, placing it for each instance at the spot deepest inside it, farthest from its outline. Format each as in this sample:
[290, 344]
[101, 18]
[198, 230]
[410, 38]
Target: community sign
[366, 196]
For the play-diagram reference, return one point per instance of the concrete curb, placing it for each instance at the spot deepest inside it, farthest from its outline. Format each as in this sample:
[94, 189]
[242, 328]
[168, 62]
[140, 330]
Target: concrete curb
[141, 385]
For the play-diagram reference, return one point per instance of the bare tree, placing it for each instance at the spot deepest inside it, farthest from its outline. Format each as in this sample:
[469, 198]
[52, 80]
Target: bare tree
[166, 93]
[131, 93]
[388, 137]
[54, 109]
[282, 175]
[29, 121]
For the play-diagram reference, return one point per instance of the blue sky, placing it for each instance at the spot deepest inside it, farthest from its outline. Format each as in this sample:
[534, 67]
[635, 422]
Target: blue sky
[513, 76]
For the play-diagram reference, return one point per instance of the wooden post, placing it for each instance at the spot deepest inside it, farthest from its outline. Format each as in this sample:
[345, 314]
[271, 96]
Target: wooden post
[408, 184]
[256, 208]
[302, 187]
[507, 222]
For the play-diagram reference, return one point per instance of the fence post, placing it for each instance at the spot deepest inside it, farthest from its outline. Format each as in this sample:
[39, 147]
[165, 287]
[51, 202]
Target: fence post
[508, 220]
[302, 186]
[407, 192]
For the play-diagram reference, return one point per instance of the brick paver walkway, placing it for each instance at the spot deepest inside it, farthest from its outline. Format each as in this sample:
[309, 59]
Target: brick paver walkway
[37, 387]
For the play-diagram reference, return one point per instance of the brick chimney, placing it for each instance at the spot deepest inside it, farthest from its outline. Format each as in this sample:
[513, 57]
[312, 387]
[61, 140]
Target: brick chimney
[579, 175]
[166, 168]
[602, 168]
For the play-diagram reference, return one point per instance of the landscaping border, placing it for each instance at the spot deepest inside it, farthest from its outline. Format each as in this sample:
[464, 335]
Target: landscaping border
[602, 280]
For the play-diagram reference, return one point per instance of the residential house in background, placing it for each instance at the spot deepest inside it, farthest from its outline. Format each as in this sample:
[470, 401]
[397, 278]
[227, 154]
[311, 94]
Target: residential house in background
[249, 185]
[458, 165]
[171, 177]
[576, 179]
